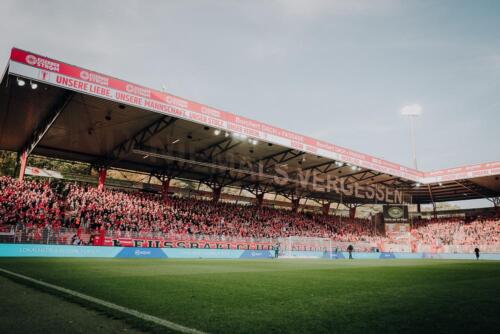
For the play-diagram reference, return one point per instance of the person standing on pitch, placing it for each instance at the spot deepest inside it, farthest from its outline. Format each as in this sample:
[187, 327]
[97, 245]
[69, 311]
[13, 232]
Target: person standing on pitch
[350, 249]
[276, 249]
[476, 250]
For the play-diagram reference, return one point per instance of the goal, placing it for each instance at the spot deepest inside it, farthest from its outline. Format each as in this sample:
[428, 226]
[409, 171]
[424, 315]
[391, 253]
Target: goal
[306, 247]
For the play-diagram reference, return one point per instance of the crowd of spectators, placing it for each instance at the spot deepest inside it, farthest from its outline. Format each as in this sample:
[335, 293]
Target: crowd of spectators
[148, 213]
[456, 231]
[37, 206]
[29, 204]
[34, 204]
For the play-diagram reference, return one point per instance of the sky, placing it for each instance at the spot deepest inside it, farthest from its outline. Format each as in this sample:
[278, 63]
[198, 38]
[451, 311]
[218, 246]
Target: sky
[340, 71]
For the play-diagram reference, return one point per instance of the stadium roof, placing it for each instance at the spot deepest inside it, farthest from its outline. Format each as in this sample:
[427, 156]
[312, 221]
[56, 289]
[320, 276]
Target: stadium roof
[78, 114]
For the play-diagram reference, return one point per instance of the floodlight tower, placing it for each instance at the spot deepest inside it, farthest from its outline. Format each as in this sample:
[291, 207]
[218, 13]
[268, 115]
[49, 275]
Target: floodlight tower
[412, 111]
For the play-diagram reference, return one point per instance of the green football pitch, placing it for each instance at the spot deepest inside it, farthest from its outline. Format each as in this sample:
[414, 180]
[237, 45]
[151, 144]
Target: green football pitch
[255, 296]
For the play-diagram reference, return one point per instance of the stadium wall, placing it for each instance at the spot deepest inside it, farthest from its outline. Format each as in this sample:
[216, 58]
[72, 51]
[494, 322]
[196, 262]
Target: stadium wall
[37, 250]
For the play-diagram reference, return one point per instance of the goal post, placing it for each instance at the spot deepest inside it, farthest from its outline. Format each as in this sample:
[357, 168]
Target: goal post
[306, 247]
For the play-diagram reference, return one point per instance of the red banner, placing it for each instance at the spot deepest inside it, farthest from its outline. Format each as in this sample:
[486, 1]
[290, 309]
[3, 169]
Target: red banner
[186, 243]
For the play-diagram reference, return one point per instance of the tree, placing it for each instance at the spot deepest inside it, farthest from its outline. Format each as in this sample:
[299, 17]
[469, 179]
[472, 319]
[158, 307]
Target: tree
[8, 163]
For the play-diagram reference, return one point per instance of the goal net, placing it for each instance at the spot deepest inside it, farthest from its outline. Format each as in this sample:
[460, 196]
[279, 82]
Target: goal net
[306, 247]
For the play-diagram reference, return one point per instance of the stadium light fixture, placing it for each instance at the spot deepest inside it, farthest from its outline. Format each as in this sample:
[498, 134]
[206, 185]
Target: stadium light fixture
[417, 184]
[412, 111]
[440, 184]
[20, 82]
[145, 157]
[176, 141]
[240, 136]
[33, 85]
[216, 132]
[226, 134]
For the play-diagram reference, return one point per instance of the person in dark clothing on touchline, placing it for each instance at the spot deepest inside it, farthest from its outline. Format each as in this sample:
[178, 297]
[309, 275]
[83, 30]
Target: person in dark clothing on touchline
[350, 249]
[476, 250]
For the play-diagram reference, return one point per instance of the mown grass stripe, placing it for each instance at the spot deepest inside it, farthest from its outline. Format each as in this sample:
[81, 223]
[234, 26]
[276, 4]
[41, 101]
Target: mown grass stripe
[143, 316]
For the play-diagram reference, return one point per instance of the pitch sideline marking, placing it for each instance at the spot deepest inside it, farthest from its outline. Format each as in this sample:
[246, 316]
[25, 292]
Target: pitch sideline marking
[135, 313]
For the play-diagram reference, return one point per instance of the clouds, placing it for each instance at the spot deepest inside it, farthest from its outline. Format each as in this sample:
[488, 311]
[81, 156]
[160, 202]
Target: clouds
[315, 8]
[266, 52]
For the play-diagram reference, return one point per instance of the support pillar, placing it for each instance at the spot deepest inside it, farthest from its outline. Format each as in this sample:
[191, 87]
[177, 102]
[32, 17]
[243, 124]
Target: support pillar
[165, 186]
[23, 161]
[295, 204]
[496, 203]
[325, 209]
[259, 199]
[102, 178]
[216, 194]
[352, 212]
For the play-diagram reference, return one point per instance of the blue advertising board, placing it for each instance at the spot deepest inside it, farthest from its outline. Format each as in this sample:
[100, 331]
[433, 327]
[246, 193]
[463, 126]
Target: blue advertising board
[39, 250]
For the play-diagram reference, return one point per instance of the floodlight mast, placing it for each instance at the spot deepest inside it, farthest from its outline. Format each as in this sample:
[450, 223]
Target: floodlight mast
[412, 112]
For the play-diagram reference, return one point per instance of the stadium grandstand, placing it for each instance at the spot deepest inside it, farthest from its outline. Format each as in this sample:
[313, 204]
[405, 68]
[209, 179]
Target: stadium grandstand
[296, 184]
[291, 170]
[265, 230]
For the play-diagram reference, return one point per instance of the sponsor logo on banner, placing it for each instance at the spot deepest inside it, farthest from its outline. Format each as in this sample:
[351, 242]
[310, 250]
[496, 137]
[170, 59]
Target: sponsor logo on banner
[248, 254]
[138, 90]
[94, 77]
[387, 256]
[30, 59]
[210, 112]
[142, 252]
[175, 101]
[42, 62]
[152, 253]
